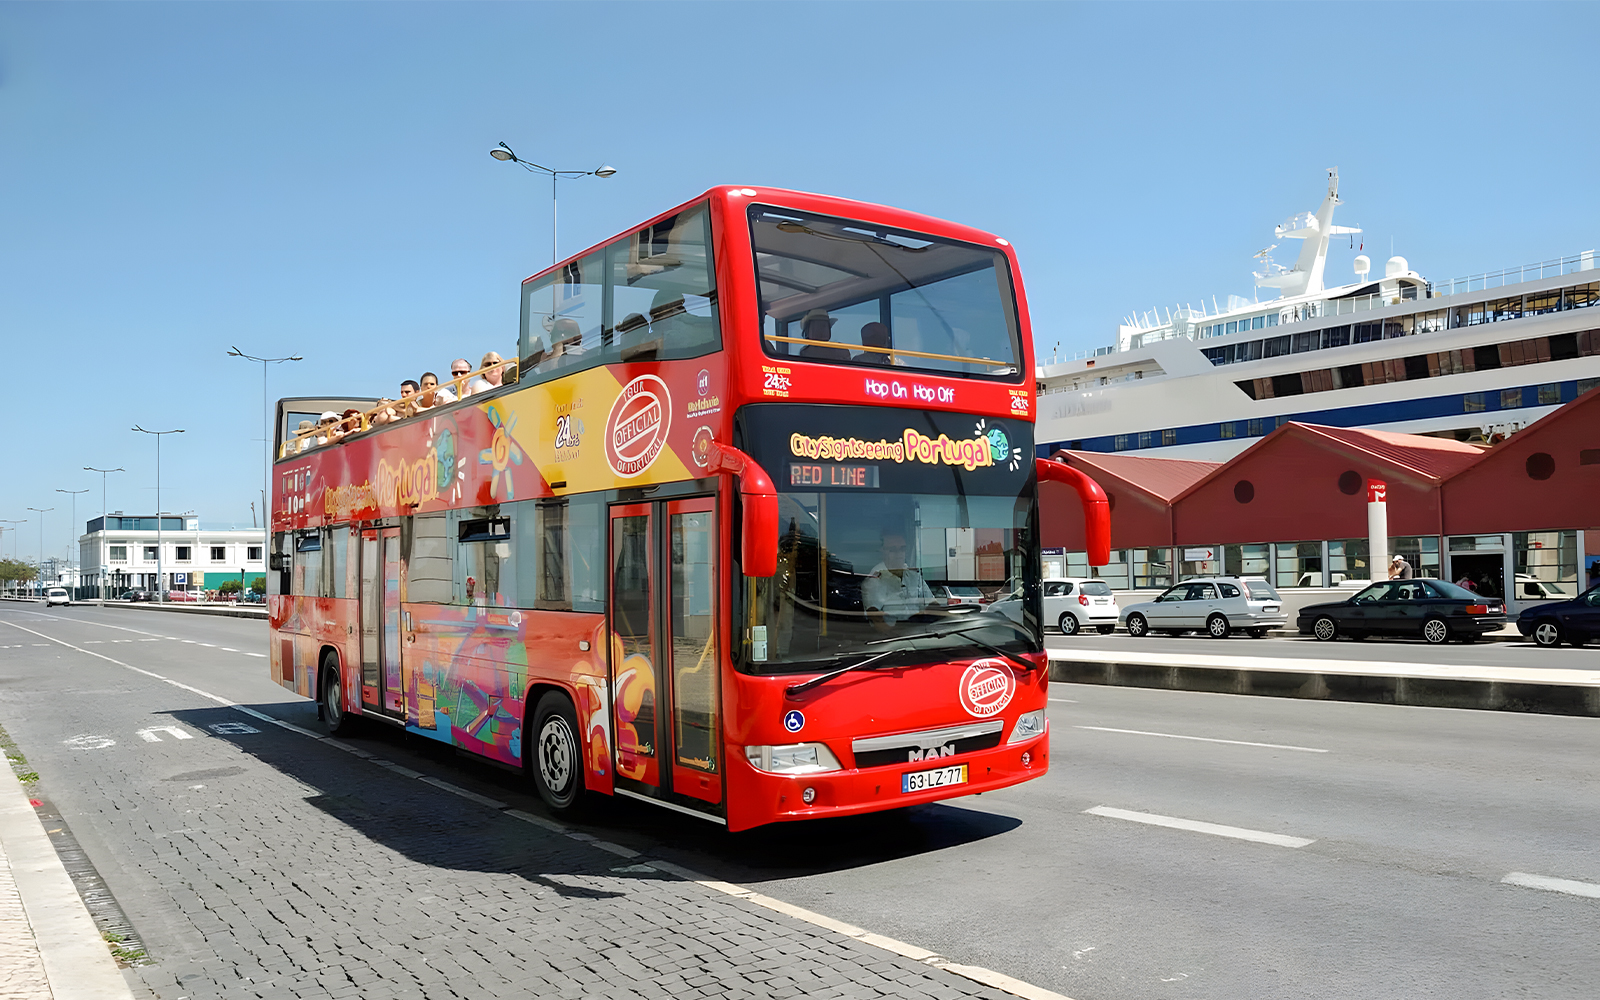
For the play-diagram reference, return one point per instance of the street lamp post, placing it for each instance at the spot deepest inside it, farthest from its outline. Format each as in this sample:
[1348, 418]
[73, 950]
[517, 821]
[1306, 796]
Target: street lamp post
[266, 424]
[70, 561]
[503, 153]
[161, 583]
[41, 511]
[105, 562]
[14, 530]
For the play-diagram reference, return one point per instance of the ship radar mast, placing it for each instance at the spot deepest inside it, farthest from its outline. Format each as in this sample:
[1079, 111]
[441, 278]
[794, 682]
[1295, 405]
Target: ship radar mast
[1305, 278]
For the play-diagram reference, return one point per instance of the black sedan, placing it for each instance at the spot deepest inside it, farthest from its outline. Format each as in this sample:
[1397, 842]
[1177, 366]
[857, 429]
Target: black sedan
[134, 595]
[1433, 609]
[1575, 621]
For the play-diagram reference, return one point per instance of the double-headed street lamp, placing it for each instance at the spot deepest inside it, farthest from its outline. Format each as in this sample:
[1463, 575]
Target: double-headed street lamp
[503, 153]
[105, 568]
[39, 575]
[161, 583]
[70, 562]
[20, 520]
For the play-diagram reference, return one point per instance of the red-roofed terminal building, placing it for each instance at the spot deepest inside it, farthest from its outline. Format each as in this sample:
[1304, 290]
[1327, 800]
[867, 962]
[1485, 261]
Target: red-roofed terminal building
[1293, 508]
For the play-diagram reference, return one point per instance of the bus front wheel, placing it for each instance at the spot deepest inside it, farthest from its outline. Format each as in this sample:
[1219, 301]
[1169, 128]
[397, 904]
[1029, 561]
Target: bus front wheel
[555, 761]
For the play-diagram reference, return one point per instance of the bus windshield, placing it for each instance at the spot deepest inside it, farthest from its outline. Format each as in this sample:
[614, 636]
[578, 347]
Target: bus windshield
[860, 293]
[869, 533]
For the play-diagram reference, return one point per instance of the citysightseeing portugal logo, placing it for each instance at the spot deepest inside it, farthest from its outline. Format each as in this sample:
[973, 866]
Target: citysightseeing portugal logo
[636, 429]
[986, 688]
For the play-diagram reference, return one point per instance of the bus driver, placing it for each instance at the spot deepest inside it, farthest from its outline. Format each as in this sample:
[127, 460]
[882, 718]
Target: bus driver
[894, 591]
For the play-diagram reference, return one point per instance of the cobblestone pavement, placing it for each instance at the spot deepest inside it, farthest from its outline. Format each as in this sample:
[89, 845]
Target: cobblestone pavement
[21, 971]
[257, 862]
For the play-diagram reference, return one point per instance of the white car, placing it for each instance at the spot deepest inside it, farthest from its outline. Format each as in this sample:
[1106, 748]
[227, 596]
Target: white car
[1214, 605]
[1071, 604]
[56, 595]
[1075, 604]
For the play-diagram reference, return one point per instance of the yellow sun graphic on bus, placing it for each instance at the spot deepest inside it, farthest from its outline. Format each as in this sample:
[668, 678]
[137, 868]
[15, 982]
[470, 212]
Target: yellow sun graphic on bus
[502, 453]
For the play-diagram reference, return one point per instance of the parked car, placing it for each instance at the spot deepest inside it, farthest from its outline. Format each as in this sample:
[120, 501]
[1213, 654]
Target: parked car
[1075, 604]
[1435, 610]
[182, 595]
[1216, 605]
[953, 594]
[1574, 621]
[134, 595]
[56, 595]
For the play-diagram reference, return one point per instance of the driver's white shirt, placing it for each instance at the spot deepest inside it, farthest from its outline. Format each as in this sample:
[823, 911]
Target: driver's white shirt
[898, 597]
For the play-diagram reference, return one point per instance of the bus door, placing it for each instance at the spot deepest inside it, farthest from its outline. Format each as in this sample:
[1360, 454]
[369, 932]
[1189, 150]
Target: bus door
[665, 695]
[381, 689]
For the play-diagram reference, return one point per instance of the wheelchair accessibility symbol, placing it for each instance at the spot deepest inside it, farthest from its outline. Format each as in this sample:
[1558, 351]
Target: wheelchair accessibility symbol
[794, 721]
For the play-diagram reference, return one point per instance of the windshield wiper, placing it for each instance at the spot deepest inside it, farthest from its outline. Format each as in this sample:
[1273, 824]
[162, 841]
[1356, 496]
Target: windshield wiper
[942, 633]
[830, 675]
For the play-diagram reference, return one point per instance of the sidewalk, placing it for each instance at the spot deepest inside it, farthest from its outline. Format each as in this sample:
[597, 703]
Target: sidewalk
[1547, 690]
[49, 946]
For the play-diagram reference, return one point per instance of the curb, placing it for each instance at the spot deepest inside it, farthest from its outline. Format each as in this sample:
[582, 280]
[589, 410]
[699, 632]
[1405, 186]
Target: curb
[77, 962]
[224, 611]
[1542, 692]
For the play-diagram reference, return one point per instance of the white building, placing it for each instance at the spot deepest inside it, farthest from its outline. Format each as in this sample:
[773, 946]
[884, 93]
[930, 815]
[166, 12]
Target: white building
[121, 549]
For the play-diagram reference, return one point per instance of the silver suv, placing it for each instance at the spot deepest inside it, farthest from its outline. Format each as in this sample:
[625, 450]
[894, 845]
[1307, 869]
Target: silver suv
[1216, 605]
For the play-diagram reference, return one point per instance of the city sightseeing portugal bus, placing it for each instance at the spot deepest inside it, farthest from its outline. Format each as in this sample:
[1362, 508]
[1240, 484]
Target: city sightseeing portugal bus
[694, 547]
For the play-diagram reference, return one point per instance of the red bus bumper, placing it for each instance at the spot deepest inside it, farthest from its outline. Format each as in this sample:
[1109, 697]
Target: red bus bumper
[757, 797]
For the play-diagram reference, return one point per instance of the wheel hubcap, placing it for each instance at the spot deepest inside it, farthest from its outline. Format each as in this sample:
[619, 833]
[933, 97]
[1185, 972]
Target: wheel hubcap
[1434, 631]
[1218, 626]
[1546, 634]
[555, 754]
[1324, 628]
[335, 700]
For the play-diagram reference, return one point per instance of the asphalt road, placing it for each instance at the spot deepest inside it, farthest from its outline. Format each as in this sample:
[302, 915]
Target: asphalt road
[1364, 849]
[1490, 654]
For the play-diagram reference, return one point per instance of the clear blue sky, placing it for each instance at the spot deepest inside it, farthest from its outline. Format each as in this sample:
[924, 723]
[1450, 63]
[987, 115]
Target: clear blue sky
[314, 178]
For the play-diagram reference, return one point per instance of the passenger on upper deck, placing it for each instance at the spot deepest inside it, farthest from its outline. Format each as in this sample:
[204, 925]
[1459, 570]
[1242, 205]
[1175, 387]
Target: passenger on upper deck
[488, 377]
[459, 368]
[303, 443]
[818, 326]
[874, 335]
[427, 393]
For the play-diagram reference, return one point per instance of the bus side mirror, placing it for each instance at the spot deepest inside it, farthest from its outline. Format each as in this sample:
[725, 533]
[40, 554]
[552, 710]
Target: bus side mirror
[275, 562]
[758, 528]
[1096, 508]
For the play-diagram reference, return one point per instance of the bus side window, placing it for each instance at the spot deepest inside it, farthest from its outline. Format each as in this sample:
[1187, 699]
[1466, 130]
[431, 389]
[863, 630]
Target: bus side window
[282, 564]
[566, 547]
[335, 542]
[484, 569]
[430, 571]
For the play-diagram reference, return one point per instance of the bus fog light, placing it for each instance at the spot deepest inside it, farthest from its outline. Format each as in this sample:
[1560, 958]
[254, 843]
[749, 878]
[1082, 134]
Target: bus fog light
[808, 796]
[792, 758]
[1029, 725]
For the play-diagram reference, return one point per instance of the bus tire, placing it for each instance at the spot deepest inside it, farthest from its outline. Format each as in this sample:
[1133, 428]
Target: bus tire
[554, 757]
[331, 699]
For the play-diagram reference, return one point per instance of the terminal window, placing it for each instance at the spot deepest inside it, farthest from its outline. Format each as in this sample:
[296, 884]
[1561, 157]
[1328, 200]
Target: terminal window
[219, 553]
[185, 553]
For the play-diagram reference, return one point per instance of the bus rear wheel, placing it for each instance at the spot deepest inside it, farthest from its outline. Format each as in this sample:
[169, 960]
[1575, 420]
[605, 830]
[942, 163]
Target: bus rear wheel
[339, 721]
[554, 758]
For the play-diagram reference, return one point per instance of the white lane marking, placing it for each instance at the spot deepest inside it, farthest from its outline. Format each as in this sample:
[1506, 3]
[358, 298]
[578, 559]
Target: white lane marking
[1065, 701]
[89, 742]
[232, 728]
[149, 735]
[228, 649]
[1202, 739]
[1195, 826]
[92, 642]
[211, 644]
[1015, 987]
[1545, 882]
[89, 621]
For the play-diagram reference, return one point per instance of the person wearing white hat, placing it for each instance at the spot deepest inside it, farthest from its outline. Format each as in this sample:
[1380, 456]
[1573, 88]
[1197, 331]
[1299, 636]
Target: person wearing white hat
[817, 326]
[1399, 569]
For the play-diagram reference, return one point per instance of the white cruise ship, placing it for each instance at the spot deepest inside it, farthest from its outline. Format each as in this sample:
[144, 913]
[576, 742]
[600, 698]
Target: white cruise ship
[1472, 359]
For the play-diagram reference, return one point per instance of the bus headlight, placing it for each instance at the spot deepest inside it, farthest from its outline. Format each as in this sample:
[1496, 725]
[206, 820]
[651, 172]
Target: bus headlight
[1029, 725]
[792, 758]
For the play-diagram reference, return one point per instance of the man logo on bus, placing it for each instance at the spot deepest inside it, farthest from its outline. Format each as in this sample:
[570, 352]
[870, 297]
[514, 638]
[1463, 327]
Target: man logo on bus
[986, 688]
[636, 429]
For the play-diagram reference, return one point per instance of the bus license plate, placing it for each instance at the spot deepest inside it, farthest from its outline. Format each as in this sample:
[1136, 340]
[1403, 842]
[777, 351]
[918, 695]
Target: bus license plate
[920, 781]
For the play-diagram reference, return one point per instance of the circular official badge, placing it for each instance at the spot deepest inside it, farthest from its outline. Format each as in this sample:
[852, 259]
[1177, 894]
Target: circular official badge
[986, 688]
[793, 720]
[636, 428]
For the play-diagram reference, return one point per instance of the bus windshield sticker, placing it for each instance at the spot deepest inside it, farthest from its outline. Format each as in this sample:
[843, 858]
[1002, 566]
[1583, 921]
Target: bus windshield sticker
[988, 447]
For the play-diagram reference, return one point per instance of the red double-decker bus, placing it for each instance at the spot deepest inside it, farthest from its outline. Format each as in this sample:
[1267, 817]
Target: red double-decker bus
[695, 547]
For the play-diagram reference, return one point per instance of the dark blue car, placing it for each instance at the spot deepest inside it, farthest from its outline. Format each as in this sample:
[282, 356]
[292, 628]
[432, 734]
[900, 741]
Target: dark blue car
[1575, 621]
